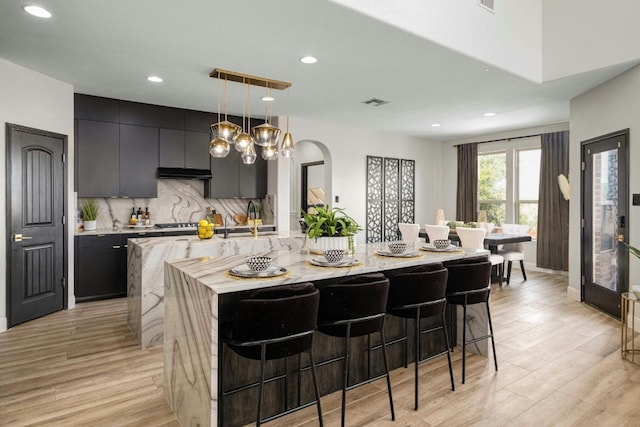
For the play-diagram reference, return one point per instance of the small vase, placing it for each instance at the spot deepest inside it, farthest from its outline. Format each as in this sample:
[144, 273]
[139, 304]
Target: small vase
[90, 225]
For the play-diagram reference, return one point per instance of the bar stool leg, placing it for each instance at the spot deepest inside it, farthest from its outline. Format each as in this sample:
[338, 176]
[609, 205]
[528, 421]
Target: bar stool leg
[493, 344]
[263, 362]
[446, 340]
[417, 357]
[406, 342]
[315, 386]
[346, 374]
[464, 336]
[386, 369]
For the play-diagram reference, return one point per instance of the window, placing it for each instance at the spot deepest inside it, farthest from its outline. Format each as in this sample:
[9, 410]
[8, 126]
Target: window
[528, 183]
[508, 183]
[492, 185]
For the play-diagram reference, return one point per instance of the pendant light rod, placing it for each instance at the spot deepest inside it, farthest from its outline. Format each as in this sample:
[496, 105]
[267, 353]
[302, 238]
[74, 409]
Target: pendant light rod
[233, 76]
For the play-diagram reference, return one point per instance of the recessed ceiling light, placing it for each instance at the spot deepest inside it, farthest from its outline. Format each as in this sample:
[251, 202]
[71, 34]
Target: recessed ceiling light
[267, 98]
[489, 114]
[37, 11]
[435, 125]
[154, 79]
[308, 60]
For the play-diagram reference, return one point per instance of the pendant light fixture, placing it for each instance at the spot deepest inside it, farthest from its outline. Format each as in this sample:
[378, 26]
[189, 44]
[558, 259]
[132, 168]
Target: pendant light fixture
[224, 130]
[264, 135]
[287, 141]
[243, 140]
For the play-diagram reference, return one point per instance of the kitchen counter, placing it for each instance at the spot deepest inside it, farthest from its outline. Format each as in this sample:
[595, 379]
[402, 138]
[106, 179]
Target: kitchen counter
[199, 295]
[144, 230]
[145, 278]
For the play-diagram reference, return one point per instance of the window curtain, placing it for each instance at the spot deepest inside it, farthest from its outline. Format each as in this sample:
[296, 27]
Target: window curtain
[467, 194]
[553, 209]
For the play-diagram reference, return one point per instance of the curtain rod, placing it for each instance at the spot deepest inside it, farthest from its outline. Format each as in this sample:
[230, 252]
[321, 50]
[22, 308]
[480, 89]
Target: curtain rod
[501, 139]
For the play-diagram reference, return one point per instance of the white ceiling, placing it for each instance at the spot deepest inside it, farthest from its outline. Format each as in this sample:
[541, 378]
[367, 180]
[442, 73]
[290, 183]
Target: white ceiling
[106, 48]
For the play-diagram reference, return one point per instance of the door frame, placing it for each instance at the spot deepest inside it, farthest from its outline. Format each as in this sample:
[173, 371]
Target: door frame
[304, 181]
[9, 128]
[623, 212]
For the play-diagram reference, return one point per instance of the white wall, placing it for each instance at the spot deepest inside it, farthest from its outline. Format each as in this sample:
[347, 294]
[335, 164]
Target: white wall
[348, 148]
[32, 99]
[584, 35]
[610, 107]
[510, 38]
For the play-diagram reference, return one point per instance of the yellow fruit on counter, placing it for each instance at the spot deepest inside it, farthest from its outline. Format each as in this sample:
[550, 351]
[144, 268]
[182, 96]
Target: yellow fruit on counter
[209, 227]
[203, 222]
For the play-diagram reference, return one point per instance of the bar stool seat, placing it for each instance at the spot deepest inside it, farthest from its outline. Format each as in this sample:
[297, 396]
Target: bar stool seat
[420, 294]
[352, 308]
[275, 323]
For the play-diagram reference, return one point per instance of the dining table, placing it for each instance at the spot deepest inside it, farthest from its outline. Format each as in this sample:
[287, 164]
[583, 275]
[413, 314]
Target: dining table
[492, 241]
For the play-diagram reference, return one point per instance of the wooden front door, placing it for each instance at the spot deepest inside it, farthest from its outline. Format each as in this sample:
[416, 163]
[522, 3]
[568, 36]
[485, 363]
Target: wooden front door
[35, 223]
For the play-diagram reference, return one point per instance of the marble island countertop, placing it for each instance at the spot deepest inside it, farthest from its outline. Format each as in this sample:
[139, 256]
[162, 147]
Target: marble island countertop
[213, 271]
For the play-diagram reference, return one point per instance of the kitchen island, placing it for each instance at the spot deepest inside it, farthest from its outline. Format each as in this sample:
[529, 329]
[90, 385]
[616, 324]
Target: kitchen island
[200, 296]
[145, 277]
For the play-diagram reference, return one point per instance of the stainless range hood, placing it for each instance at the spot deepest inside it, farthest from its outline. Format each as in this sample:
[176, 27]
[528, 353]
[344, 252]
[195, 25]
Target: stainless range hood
[184, 173]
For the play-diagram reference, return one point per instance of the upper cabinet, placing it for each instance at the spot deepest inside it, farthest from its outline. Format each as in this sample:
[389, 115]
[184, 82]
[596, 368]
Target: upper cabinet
[120, 145]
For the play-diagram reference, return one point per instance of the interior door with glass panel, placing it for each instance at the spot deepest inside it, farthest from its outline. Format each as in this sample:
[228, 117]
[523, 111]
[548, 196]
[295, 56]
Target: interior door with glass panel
[604, 212]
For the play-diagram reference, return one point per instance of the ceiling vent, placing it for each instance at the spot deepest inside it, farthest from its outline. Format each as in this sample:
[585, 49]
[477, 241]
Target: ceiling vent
[375, 102]
[486, 4]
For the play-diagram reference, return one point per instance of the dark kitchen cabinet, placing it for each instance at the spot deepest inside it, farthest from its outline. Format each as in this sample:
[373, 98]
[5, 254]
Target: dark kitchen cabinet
[232, 178]
[138, 161]
[99, 262]
[98, 158]
[172, 148]
[197, 150]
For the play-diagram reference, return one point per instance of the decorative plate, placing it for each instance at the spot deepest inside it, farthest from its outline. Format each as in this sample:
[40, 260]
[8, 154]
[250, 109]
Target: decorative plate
[412, 254]
[322, 262]
[451, 248]
[243, 270]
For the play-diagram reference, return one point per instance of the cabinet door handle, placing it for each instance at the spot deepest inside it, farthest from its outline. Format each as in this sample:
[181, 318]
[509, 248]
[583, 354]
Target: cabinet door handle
[126, 246]
[116, 246]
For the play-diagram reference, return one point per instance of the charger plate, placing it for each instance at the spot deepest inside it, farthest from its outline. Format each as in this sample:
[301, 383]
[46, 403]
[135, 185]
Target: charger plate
[451, 248]
[244, 271]
[390, 254]
[321, 262]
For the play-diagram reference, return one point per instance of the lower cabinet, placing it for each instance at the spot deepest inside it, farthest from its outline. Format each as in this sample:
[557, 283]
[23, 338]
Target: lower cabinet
[101, 265]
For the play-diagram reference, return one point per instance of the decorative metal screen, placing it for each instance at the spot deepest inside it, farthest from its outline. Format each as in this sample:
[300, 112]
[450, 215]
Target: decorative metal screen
[390, 196]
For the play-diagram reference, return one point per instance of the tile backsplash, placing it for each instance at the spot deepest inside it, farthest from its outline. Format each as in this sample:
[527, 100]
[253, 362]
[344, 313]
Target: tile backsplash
[178, 201]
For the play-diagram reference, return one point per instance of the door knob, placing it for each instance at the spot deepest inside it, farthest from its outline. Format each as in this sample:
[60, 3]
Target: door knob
[20, 238]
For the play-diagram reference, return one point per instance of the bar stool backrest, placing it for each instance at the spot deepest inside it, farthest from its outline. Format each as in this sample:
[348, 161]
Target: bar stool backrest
[273, 313]
[417, 287]
[471, 279]
[354, 298]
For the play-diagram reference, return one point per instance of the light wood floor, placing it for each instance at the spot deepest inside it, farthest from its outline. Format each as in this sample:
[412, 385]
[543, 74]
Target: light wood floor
[559, 364]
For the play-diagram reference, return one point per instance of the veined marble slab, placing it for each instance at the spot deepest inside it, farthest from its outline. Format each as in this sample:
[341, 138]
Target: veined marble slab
[145, 281]
[192, 290]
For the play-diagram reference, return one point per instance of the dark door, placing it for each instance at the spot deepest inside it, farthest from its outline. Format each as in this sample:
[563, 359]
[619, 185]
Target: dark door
[35, 223]
[312, 185]
[605, 272]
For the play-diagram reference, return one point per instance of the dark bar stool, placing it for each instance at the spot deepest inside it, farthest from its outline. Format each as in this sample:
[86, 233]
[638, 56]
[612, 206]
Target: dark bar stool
[272, 324]
[419, 294]
[467, 284]
[356, 307]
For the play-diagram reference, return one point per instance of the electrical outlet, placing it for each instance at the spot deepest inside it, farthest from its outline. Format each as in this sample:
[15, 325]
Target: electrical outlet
[337, 199]
[636, 200]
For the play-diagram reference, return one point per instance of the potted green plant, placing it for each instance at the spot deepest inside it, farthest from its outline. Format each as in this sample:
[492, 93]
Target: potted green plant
[90, 212]
[330, 228]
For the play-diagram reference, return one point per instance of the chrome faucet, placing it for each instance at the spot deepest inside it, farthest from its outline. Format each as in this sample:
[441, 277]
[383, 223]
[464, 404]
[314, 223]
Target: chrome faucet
[226, 226]
[255, 222]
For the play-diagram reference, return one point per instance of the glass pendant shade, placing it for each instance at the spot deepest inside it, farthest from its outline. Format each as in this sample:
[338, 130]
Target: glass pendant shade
[218, 147]
[249, 155]
[270, 152]
[242, 141]
[265, 135]
[225, 130]
[287, 146]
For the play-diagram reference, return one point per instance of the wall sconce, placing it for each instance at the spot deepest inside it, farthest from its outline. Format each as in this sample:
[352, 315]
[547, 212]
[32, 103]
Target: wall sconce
[265, 135]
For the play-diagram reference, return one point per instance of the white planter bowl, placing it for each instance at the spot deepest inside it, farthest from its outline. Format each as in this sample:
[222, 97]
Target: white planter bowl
[321, 244]
[90, 225]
